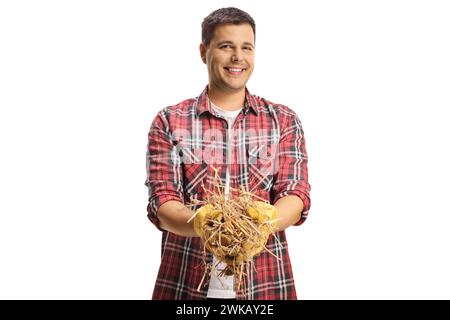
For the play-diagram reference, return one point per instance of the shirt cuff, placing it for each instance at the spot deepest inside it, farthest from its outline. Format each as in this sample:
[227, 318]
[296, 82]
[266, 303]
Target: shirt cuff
[155, 203]
[305, 199]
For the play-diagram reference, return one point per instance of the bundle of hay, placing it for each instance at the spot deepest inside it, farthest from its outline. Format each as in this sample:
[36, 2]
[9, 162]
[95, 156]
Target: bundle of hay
[234, 229]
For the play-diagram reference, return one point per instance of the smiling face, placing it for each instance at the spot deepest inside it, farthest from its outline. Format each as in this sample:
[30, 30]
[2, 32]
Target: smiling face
[230, 57]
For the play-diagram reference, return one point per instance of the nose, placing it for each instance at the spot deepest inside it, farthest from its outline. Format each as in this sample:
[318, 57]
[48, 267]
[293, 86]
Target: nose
[237, 55]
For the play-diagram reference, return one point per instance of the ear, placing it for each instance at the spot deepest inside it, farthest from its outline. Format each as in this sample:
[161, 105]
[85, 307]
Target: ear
[203, 52]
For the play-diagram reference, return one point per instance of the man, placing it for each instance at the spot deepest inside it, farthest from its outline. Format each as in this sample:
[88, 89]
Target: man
[251, 141]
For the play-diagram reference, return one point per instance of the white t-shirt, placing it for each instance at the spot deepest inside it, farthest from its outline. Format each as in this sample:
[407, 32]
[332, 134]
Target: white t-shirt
[223, 287]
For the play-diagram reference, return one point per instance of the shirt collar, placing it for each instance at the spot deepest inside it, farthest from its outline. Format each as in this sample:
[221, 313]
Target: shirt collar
[203, 102]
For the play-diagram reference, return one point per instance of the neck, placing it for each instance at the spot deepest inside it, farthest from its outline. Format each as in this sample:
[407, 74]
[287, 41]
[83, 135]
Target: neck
[230, 101]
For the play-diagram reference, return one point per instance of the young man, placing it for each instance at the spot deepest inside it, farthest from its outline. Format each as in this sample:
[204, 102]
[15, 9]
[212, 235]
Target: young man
[251, 141]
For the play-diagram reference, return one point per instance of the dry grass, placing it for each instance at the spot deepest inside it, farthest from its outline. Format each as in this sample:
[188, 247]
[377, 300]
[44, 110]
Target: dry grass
[230, 233]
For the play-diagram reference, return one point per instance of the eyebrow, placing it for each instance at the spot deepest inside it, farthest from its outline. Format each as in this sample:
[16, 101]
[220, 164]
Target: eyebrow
[230, 42]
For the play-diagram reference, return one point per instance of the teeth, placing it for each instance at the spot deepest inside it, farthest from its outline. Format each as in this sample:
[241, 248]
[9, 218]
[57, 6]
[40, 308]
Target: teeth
[235, 70]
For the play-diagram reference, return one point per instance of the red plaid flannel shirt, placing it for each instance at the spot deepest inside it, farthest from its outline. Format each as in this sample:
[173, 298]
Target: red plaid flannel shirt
[268, 156]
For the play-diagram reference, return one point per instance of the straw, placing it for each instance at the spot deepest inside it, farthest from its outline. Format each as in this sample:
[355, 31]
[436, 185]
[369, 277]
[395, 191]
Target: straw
[228, 235]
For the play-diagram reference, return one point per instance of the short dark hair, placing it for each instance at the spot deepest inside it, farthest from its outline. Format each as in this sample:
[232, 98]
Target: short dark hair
[223, 16]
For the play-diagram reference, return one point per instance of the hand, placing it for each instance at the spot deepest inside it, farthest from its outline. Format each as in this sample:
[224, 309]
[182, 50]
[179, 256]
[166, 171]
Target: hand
[265, 214]
[202, 215]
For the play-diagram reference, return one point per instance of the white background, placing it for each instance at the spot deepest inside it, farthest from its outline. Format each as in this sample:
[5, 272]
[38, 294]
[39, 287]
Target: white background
[80, 83]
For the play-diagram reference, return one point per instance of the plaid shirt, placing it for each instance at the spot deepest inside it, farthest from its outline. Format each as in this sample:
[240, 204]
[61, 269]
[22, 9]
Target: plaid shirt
[268, 157]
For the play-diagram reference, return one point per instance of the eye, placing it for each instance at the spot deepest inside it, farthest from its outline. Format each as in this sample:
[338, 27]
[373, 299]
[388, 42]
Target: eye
[248, 48]
[225, 46]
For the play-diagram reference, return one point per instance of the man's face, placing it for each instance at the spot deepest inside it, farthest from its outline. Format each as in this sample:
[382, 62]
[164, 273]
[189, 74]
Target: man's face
[230, 57]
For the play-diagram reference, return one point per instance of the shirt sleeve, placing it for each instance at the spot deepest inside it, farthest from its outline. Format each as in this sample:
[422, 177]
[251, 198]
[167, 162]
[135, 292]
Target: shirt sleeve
[292, 175]
[164, 172]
